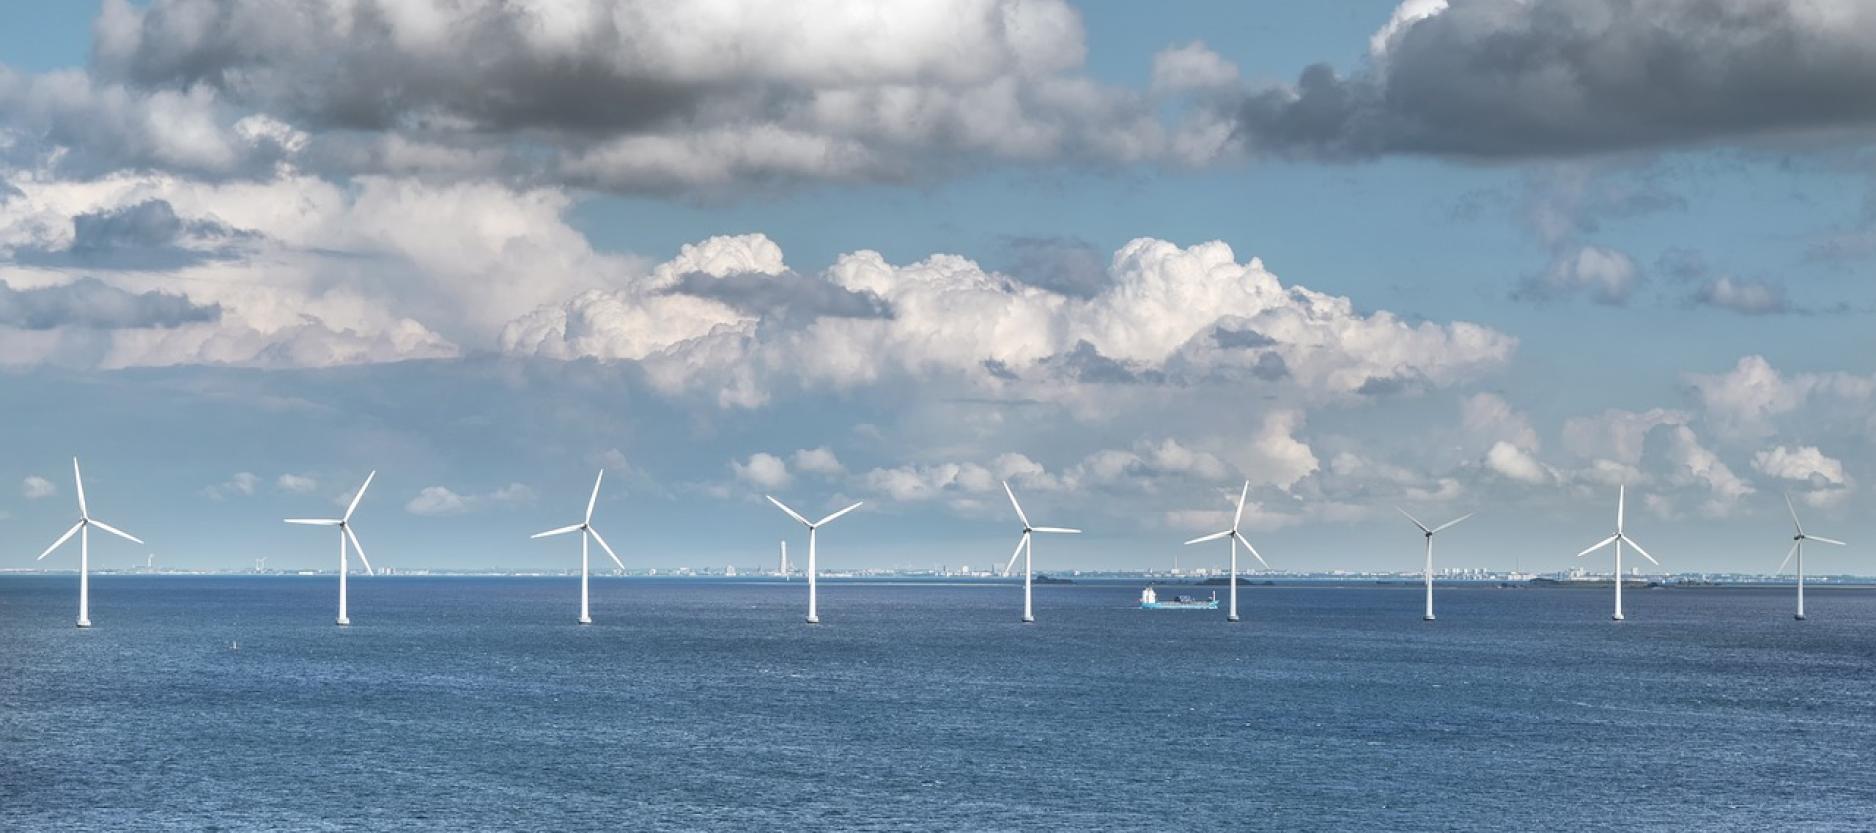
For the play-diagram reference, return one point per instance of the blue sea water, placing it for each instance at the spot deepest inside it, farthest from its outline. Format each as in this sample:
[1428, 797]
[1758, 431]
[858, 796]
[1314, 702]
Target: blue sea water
[458, 704]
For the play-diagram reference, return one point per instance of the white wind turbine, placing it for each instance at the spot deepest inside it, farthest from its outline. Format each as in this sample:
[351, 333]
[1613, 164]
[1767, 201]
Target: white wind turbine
[1797, 549]
[1026, 547]
[344, 523]
[83, 530]
[586, 530]
[814, 617]
[1429, 534]
[1618, 539]
[785, 569]
[1236, 538]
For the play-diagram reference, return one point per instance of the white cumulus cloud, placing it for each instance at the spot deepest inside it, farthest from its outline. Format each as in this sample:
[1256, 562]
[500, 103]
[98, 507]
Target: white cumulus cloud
[297, 484]
[763, 470]
[1748, 400]
[437, 500]
[35, 487]
[441, 500]
[1171, 316]
[1517, 464]
[819, 461]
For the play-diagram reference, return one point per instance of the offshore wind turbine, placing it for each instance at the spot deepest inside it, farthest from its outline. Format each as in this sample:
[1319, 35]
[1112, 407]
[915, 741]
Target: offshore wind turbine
[1236, 538]
[1026, 547]
[1618, 539]
[814, 617]
[586, 530]
[344, 523]
[784, 568]
[83, 530]
[1429, 534]
[1797, 549]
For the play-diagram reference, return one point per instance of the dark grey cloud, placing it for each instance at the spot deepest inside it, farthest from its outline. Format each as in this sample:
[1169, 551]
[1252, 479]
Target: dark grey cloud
[146, 235]
[73, 124]
[93, 304]
[1388, 385]
[1084, 363]
[1495, 79]
[789, 297]
[1068, 265]
[1271, 367]
[626, 95]
[1244, 339]
[1746, 297]
[344, 66]
[147, 224]
[1000, 369]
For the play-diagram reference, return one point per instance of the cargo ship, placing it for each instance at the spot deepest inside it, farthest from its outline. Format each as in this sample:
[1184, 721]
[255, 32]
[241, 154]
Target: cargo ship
[1150, 600]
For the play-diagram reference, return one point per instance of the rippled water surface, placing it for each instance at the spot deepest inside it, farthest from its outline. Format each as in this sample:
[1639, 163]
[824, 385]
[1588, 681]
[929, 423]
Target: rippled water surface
[477, 704]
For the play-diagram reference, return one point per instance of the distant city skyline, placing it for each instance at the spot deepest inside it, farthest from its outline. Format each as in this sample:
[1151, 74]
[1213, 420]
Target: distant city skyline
[1123, 258]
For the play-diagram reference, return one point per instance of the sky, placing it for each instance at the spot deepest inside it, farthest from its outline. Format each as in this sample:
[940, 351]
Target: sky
[1492, 256]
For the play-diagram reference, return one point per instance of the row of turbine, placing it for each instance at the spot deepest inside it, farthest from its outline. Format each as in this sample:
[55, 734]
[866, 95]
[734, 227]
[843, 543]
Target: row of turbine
[1025, 548]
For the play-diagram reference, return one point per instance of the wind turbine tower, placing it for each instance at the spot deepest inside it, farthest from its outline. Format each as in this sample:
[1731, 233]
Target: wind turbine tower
[344, 523]
[83, 530]
[1429, 536]
[1026, 547]
[1618, 539]
[1797, 550]
[814, 616]
[586, 530]
[1236, 538]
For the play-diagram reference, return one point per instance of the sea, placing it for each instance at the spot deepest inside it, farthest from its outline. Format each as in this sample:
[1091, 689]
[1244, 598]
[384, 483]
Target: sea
[229, 703]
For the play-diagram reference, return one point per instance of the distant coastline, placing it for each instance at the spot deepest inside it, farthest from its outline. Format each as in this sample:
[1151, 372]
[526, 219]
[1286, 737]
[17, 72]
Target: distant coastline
[1265, 581]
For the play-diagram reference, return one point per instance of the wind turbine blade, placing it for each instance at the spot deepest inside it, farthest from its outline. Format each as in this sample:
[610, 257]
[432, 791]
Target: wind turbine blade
[791, 513]
[347, 529]
[114, 530]
[1247, 545]
[1621, 502]
[1212, 537]
[1794, 514]
[1454, 522]
[314, 521]
[1013, 556]
[594, 500]
[1019, 507]
[607, 547]
[1056, 529]
[79, 479]
[1825, 540]
[1788, 554]
[561, 531]
[1605, 542]
[1242, 494]
[360, 496]
[1423, 527]
[830, 518]
[1644, 553]
[62, 539]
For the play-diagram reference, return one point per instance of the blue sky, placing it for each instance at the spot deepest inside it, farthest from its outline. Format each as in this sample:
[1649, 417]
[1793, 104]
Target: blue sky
[1125, 260]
